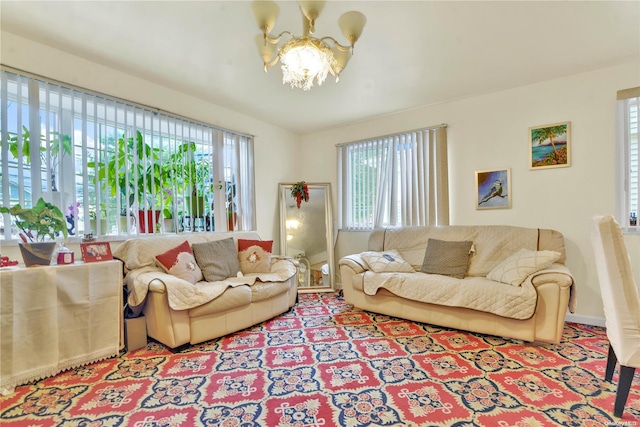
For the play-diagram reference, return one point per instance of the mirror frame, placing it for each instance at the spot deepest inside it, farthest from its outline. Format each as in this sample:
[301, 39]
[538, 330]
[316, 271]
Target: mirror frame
[284, 192]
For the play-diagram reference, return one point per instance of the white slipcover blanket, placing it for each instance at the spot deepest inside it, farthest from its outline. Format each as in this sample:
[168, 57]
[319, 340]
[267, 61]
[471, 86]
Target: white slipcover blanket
[477, 293]
[183, 295]
[139, 254]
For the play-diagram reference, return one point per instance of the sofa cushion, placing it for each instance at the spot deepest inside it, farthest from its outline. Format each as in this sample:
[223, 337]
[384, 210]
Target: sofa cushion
[476, 293]
[447, 258]
[232, 298]
[515, 269]
[218, 259]
[387, 261]
[180, 262]
[254, 255]
[261, 291]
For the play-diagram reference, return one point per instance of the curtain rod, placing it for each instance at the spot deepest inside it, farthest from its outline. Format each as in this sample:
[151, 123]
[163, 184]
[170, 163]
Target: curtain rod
[122, 100]
[441, 125]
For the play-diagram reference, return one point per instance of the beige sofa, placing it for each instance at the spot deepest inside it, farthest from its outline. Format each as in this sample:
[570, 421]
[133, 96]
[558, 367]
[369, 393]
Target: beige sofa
[178, 312]
[532, 311]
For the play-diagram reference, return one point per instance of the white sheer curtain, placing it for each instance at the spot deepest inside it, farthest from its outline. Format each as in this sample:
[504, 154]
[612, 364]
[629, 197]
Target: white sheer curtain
[394, 180]
[236, 166]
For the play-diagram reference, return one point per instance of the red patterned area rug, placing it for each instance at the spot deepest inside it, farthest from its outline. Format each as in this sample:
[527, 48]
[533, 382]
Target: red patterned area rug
[325, 364]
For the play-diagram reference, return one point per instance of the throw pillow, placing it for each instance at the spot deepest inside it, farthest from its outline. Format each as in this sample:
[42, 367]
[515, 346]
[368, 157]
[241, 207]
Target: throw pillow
[447, 258]
[386, 262]
[180, 262]
[218, 259]
[255, 255]
[515, 269]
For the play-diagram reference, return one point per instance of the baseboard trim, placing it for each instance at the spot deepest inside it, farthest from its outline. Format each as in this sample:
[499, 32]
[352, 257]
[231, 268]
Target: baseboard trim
[586, 320]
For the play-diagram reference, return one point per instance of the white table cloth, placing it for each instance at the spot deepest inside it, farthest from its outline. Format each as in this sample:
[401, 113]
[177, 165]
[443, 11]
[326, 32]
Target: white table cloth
[57, 317]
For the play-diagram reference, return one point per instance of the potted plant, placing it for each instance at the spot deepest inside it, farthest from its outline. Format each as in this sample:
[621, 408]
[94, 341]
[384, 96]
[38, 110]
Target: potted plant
[37, 224]
[232, 215]
[133, 169]
[60, 145]
[187, 173]
[93, 221]
[171, 208]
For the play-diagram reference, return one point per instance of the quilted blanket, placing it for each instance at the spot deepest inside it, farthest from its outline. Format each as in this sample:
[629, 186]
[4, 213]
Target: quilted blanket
[477, 293]
[183, 295]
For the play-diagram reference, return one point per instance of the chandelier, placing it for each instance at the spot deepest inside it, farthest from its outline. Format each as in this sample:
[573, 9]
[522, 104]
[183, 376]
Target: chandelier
[305, 59]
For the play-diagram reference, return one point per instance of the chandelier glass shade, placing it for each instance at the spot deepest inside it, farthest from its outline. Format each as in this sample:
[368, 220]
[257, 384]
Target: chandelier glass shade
[305, 59]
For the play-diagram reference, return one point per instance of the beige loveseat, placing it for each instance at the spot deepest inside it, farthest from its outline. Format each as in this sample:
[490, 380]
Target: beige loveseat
[532, 311]
[178, 312]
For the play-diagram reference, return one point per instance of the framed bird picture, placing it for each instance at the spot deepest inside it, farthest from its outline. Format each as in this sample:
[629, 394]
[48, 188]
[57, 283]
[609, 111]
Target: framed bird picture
[493, 189]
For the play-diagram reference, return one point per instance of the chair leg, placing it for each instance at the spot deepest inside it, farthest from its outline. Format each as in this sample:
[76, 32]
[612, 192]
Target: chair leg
[624, 385]
[612, 359]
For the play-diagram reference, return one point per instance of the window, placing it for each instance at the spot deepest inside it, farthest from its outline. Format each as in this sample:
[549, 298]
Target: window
[628, 150]
[116, 168]
[395, 180]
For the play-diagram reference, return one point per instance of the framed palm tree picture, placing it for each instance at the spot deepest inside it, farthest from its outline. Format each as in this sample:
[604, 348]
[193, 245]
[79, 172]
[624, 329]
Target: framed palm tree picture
[493, 189]
[550, 146]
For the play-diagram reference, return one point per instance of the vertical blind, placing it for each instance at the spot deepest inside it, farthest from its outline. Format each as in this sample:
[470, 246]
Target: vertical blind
[109, 164]
[394, 180]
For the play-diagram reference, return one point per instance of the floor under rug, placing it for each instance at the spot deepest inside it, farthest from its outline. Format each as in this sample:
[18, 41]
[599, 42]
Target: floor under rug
[325, 364]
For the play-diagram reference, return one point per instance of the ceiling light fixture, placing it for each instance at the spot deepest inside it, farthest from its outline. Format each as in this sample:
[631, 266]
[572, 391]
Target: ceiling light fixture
[305, 58]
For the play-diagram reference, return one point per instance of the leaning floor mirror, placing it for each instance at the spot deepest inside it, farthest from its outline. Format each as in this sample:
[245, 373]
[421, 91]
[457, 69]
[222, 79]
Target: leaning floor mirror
[306, 234]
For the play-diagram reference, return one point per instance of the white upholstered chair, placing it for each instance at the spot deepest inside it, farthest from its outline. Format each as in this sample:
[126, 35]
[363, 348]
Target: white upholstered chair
[621, 304]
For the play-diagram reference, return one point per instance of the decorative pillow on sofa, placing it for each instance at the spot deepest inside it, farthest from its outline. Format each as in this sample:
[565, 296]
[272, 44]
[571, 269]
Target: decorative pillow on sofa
[255, 255]
[515, 269]
[447, 258]
[181, 263]
[387, 262]
[218, 259]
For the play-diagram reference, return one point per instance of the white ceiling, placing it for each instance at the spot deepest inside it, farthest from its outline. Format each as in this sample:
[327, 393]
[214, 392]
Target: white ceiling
[411, 53]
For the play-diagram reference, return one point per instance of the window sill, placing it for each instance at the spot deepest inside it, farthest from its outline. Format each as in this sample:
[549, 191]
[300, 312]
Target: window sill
[76, 239]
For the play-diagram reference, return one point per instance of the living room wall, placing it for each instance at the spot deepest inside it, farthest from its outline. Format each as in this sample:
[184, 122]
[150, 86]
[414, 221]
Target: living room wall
[274, 148]
[490, 131]
[487, 131]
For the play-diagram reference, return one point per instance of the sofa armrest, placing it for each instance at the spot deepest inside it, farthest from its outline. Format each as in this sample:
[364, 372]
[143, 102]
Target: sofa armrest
[556, 273]
[162, 280]
[355, 262]
[154, 280]
[281, 264]
[562, 280]
[148, 279]
[560, 276]
[277, 259]
[158, 286]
